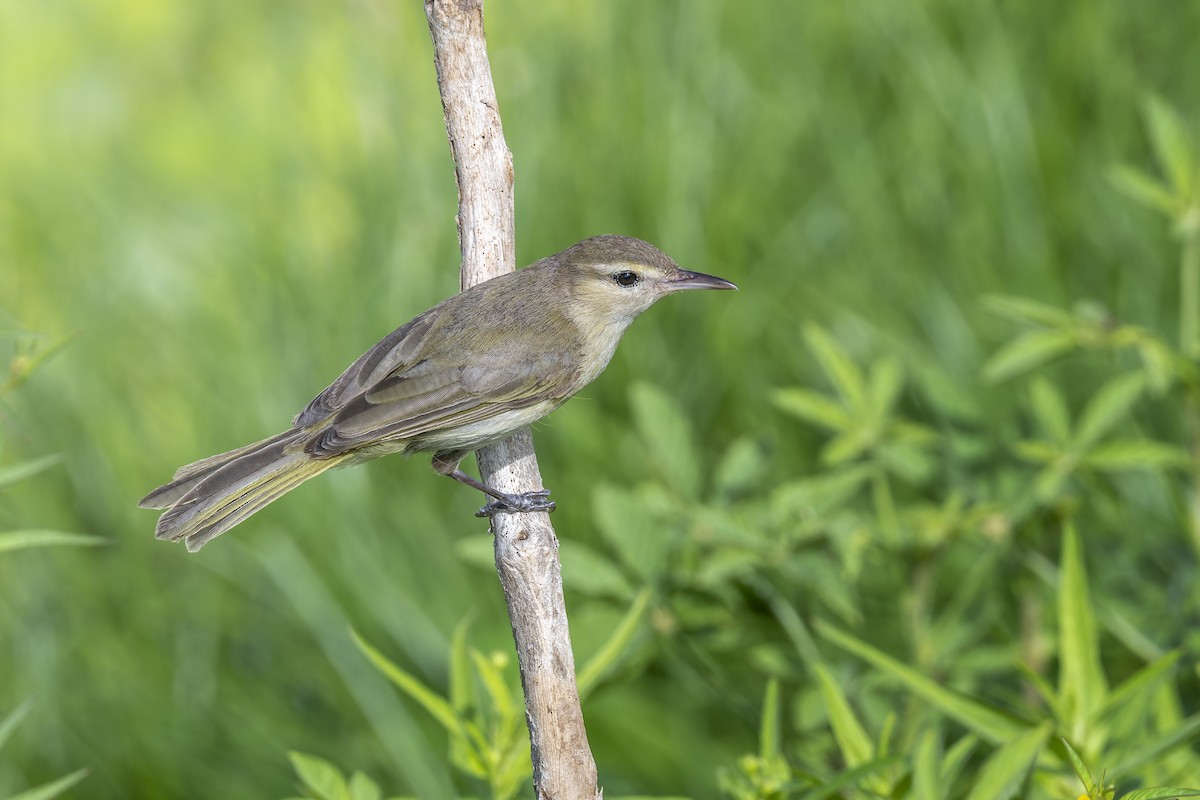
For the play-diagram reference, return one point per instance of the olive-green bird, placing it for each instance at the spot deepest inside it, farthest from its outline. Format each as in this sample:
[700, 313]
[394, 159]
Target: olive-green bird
[470, 371]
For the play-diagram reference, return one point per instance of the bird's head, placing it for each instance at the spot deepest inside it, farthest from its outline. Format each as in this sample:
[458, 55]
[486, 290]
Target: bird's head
[615, 278]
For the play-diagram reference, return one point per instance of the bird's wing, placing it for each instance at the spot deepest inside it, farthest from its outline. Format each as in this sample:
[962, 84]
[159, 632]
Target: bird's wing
[435, 393]
[394, 353]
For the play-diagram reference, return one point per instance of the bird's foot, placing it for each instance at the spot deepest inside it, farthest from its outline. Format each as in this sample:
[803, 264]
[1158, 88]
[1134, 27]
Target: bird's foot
[518, 504]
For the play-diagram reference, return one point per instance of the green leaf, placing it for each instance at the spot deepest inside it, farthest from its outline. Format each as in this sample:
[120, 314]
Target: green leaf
[813, 407]
[667, 434]
[490, 670]
[956, 758]
[822, 495]
[1160, 793]
[589, 572]
[741, 468]
[1030, 350]
[1141, 188]
[1081, 681]
[1003, 773]
[639, 540]
[844, 447]
[852, 739]
[52, 789]
[909, 463]
[885, 382]
[1081, 769]
[612, 649]
[1132, 454]
[433, 703]
[1049, 481]
[1110, 405]
[1036, 452]
[1022, 309]
[926, 777]
[363, 788]
[989, 724]
[322, 779]
[769, 746]
[26, 469]
[913, 433]
[843, 373]
[20, 540]
[1172, 145]
[1050, 410]
[1158, 362]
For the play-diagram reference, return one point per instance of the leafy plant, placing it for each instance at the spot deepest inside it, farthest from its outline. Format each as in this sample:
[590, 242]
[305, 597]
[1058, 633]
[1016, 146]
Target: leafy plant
[321, 780]
[484, 715]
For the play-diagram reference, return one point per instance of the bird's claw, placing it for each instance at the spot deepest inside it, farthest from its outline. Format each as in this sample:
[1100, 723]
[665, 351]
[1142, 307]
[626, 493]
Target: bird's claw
[519, 504]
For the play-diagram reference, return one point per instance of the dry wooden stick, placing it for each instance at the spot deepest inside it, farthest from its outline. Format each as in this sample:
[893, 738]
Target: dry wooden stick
[526, 547]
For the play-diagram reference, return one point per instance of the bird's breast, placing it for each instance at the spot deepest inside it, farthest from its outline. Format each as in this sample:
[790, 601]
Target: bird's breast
[474, 435]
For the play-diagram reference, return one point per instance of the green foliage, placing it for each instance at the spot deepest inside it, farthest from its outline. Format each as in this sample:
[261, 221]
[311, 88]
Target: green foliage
[483, 717]
[27, 358]
[765, 776]
[321, 780]
[931, 472]
[22, 368]
[46, 790]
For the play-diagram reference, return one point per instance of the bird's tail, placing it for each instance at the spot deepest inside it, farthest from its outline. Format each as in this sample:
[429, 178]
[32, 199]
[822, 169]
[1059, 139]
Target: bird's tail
[209, 497]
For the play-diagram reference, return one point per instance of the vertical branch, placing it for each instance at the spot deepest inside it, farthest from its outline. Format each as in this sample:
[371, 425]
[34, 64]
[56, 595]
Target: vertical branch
[526, 547]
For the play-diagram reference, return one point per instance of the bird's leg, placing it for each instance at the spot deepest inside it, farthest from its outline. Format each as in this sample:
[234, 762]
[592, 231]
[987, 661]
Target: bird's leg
[504, 503]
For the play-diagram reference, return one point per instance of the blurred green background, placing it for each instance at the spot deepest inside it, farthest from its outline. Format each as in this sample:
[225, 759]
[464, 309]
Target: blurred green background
[222, 204]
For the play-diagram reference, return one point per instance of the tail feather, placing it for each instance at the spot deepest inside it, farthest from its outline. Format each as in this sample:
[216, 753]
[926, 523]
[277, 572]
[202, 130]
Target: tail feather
[187, 476]
[246, 504]
[210, 496]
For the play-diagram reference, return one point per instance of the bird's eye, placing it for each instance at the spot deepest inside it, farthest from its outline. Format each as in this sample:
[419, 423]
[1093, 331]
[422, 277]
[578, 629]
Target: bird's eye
[625, 278]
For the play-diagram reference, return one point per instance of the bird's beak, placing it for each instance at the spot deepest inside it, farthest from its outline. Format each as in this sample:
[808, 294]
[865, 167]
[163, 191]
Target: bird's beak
[684, 279]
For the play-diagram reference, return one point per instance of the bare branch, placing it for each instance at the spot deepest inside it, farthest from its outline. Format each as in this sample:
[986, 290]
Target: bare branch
[526, 547]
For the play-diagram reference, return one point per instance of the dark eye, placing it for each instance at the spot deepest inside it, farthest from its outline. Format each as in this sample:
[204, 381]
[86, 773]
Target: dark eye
[625, 278]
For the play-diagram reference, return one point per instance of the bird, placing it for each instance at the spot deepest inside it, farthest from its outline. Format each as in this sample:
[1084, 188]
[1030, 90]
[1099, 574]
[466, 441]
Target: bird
[471, 371]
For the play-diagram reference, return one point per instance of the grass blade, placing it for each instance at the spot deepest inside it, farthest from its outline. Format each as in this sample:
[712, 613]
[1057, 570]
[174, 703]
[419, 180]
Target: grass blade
[611, 650]
[432, 702]
[22, 540]
[989, 724]
[52, 789]
[27, 469]
[1004, 772]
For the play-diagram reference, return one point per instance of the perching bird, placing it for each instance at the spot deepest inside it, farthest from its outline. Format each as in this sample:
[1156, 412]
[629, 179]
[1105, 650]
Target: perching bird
[470, 371]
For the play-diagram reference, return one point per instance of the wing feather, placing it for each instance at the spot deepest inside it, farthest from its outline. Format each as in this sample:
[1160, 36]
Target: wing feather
[416, 386]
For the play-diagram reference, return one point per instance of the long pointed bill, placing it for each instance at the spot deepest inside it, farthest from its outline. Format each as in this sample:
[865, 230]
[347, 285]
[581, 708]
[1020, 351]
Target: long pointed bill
[685, 279]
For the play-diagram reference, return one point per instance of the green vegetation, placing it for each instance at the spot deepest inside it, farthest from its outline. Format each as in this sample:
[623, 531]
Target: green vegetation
[913, 515]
